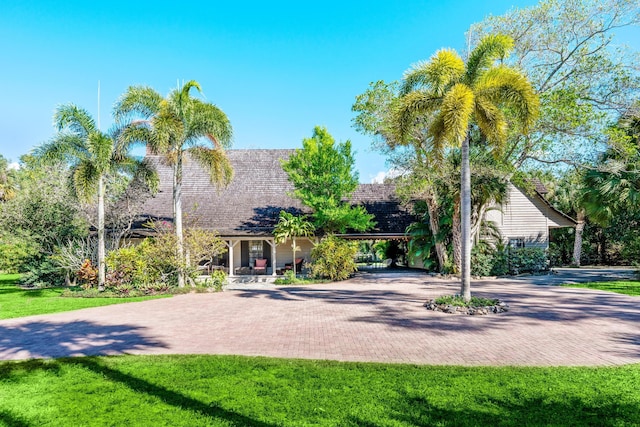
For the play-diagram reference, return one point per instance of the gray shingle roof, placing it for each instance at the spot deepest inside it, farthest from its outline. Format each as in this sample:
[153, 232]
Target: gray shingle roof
[250, 205]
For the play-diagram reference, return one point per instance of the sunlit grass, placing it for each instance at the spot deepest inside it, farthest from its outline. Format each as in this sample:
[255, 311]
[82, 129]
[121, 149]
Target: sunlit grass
[17, 302]
[243, 391]
[630, 287]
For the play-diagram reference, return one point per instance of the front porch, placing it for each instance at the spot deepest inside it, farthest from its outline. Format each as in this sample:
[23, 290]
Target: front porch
[243, 252]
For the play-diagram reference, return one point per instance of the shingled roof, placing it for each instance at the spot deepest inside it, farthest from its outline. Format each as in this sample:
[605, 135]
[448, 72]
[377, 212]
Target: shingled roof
[250, 205]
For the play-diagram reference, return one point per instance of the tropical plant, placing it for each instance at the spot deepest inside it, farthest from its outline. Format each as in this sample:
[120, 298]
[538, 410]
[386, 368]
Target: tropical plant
[323, 177]
[172, 127]
[290, 226]
[458, 96]
[334, 258]
[93, 155]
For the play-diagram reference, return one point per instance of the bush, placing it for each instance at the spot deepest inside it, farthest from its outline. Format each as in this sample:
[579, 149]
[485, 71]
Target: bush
[333, 259]
[458, 301]
[528, 260]
[87, 275]
[486, 261]
[216, 280]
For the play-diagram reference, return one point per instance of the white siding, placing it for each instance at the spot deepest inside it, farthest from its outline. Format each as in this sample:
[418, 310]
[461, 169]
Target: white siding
[525, 217]
[284, 252]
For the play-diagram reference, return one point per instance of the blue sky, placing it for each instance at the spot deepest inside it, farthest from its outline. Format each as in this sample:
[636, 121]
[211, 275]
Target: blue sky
[276, 68]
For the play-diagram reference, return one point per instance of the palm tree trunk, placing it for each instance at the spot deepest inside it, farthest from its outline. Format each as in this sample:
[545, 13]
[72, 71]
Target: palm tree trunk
[293, 247]
[577, 242]
[177, 215]
[465, 221]
[101, 244]
[456, 237]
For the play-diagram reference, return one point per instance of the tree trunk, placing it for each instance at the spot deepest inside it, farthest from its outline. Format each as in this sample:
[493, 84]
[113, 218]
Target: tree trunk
[293, 248]
[434, 224]
[177, 215]
[101, 244]
[577, 242]
[457, 237]
[465, 221]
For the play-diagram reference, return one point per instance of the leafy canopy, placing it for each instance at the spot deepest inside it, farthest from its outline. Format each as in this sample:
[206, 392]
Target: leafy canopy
[323, 177]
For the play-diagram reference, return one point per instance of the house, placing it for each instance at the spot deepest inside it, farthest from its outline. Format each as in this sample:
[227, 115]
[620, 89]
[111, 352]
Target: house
[525, 219]
[245, 212]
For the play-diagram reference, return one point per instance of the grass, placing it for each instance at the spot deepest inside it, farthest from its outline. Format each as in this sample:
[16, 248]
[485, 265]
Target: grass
[630, 287]
[243, 391]
[18, 302]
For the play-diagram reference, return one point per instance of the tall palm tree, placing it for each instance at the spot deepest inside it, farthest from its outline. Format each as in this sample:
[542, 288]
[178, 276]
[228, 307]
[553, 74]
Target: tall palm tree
[460, 95]
[289, 227]
[173, 126]
[93, 155]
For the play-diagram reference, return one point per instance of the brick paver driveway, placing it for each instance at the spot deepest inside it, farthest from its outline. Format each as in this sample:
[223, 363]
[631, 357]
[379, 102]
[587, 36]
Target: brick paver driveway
[373, 317]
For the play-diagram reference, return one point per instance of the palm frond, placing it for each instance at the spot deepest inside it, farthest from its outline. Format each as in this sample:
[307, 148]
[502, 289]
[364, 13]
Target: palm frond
[85, 178]
[141, 170]
[408, 108]
[215, 162]
[74, 119]
[491, 48]
[508, 87]
[438, 133]
[456, 110]
[168, 131]
[207, 120]
[64, 147]
[444, 68]
[491, 121]
[101, 147]
[141, 100]
[138, 132]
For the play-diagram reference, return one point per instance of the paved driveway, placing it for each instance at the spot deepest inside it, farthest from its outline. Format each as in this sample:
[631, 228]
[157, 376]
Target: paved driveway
[373, 317]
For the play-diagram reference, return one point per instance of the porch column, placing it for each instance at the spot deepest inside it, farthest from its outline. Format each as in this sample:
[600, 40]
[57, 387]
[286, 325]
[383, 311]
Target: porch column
[272, 243]
[231, 244]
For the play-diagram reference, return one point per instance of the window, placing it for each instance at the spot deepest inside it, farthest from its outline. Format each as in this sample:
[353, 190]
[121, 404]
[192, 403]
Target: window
[516, 242]
[255, 251]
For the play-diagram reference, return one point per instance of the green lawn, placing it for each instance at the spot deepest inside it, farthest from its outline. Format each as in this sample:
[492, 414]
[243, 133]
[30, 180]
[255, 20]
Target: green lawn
[630, 287]
[18, 302]
[242, 391]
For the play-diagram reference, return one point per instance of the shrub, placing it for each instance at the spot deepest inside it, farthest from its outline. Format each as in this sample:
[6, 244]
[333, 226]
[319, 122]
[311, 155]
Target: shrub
[333, 258]
[458, 301]
[486, 261]
[216, 280]
[528, 260]
[87, 275]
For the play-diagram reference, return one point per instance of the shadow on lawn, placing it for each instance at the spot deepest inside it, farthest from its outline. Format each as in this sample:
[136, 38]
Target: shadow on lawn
[515, 410]
[16, 371]
[170, 397]
[10, 420]
[42, 339]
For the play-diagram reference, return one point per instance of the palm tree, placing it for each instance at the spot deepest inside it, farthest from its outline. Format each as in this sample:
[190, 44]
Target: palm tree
[479, 93]
[172, 127]
[289, 227]
[93, 155]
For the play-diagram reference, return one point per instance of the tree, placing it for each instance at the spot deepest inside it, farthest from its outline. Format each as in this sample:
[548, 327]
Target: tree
[93, 155]
[41, 217]
[567, 48]
[172, 127]
[290, 226]
[456, 96]
[7, 180]
[323, 177]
